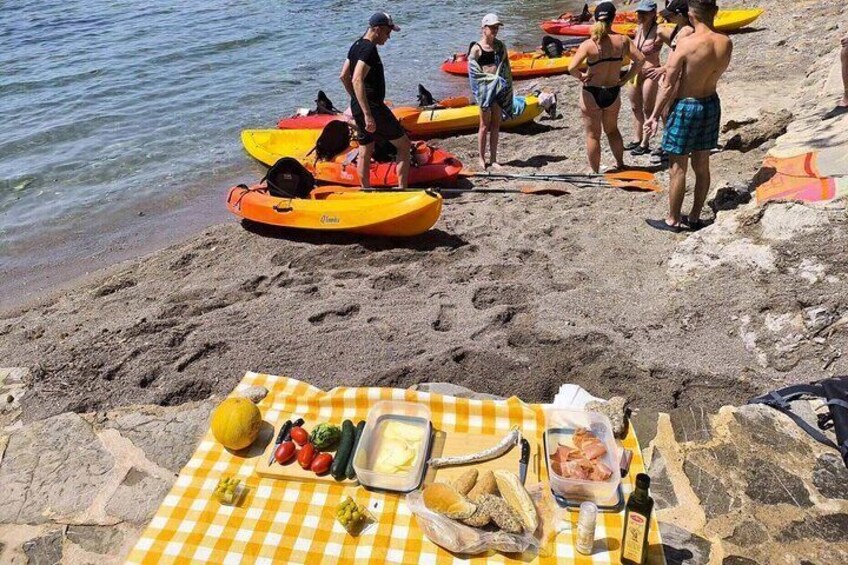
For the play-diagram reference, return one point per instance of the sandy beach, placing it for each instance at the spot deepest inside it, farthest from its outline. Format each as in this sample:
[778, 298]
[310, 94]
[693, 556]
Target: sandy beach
[509, 294]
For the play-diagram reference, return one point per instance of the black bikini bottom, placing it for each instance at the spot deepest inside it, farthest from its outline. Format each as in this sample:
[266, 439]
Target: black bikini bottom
[605, 96]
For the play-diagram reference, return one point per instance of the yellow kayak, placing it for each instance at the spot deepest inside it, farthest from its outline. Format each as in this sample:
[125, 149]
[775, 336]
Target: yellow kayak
[450, 120]
[395, 214]
[433, 166]
[726, 20]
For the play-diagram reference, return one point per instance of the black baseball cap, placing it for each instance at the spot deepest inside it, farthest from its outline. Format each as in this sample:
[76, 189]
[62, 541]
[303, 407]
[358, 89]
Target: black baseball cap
[382, 19]
[680, 7]
[605, 12]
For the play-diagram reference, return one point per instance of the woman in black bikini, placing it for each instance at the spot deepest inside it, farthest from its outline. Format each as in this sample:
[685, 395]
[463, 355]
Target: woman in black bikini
[600, 99]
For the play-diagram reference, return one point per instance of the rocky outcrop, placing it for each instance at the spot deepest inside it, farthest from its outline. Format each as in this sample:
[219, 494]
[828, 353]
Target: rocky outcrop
[80, 487]
[745, 485]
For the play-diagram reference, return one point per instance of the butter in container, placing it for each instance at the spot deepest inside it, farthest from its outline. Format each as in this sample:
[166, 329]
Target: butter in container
[392, 451]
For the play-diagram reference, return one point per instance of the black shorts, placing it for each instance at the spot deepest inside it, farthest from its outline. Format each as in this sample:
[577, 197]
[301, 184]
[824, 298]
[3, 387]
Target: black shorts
[388, 126]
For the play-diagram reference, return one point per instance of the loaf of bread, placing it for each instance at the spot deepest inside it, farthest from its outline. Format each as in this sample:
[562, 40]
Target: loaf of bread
[444, 499]
[486, 484]
[500, 513]
[465, 482]
[514, 493]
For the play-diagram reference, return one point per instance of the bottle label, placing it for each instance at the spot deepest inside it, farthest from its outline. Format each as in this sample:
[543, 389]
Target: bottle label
[634, 537]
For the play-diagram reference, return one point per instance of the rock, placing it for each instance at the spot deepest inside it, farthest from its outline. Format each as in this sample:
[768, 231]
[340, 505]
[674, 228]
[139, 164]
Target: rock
[728, 198]
[830, 527]
[254, 393]
[761, 425]
[44, 550]
[770, 125]
[662, 489]
[714, 497]
[450, 389]
[769, 484]
[644, 424]
[690, 424]
[748, 533]
[96, 539]
[683, 547]
[782, 221]
[737, 560]
[167, 435]
[614, 409]
[830, 476]
[52, 469]
[138, 497]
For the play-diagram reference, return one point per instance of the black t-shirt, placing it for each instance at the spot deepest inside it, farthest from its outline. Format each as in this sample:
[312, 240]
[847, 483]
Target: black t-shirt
[375, 80]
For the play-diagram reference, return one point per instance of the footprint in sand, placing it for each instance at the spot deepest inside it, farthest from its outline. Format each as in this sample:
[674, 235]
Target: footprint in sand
[499, 295]
[445, 318]
[336, 314]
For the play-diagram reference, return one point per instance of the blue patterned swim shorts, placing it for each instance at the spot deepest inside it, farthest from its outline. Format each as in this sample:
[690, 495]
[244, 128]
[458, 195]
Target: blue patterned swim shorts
[692, 125]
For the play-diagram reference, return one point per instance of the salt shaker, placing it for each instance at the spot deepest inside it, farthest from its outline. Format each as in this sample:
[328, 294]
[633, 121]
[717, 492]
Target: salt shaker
[586, 527]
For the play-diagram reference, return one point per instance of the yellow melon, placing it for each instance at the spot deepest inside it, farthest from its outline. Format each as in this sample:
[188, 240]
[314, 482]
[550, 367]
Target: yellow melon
[236, 422]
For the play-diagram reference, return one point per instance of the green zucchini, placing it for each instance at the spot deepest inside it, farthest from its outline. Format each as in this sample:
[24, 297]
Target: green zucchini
[339, 465]
[350, 473]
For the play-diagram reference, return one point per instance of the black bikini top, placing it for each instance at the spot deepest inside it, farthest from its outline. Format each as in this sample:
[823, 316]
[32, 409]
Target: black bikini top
[486, 58]
[604, 59]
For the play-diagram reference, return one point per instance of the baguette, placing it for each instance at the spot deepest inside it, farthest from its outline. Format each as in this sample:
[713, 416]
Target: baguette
[516, 496]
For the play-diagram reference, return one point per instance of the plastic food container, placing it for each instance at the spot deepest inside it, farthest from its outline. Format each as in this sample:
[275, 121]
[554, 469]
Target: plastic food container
[373, 445]
[561, 423]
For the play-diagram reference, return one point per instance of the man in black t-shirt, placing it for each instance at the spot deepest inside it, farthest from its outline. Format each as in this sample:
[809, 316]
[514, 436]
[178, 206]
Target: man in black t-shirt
[365, 82]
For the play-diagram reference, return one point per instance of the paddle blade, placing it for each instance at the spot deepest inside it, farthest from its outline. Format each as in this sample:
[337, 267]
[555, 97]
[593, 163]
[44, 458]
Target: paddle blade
[630, 175]
[648, 186]
[543, 190]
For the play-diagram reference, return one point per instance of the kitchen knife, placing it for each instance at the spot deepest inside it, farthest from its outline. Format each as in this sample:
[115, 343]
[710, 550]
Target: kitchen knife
[524, 461]
[285, 433]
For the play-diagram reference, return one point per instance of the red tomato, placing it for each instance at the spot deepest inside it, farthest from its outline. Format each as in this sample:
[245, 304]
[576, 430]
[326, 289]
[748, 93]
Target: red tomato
[284, 453]
[305, 455]
[321, 463]
[299, 435]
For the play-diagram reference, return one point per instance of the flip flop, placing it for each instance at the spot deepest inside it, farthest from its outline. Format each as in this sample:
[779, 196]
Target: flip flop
[838, 111]
[662, 226]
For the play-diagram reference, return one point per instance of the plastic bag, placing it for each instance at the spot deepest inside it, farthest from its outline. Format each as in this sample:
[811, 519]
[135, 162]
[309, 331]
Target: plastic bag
[459, 538]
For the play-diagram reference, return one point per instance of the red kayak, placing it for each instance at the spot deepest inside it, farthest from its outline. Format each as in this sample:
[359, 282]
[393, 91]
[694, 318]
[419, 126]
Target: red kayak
[569, 24]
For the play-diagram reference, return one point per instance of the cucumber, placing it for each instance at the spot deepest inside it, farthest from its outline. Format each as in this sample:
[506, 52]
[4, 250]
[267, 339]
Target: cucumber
[339, 465]
[350, 473]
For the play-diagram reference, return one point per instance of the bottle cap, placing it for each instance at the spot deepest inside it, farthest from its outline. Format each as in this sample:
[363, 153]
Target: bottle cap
[643, 481]
[588, 509]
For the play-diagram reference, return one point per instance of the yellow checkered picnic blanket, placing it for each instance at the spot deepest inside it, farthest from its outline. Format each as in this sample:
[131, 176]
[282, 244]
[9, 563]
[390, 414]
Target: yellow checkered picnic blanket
[294, 522]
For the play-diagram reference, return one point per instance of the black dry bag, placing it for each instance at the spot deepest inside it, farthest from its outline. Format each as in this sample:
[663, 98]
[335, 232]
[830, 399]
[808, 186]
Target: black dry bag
[552, 47]
[424, 97]
[287, 178]
[334, 139]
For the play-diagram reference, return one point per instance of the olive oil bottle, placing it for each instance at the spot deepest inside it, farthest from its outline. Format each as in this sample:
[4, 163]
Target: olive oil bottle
[637, 522]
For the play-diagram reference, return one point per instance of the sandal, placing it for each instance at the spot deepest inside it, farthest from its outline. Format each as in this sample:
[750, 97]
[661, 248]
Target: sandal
[641, 151]
[662, 225]
[632, 145]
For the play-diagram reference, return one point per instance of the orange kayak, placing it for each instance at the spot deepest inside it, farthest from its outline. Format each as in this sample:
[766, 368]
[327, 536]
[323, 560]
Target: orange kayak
[396, 214]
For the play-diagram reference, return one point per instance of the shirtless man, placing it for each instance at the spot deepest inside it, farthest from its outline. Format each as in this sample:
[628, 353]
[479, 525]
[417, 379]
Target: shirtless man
[692, 126]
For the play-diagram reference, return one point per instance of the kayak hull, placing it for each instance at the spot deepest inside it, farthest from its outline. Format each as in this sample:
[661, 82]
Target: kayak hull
[726, 20]
[441, 121]
[433, 166]
[453, 115]
[401, 214]
[523, 65]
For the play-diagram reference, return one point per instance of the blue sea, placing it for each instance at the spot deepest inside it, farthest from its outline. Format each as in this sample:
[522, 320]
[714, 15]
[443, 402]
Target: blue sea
[120, 120]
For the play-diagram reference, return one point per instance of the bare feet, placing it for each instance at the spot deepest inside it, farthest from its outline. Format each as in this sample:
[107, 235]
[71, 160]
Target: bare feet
[482, 164]
[496, 166]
